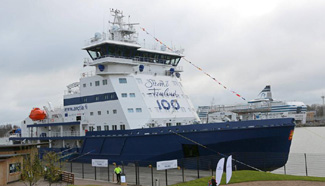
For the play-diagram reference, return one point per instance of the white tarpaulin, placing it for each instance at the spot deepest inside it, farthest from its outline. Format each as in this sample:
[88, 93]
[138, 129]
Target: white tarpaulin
[229, 169]
[99, 163]
[163, 165]
[219, 170]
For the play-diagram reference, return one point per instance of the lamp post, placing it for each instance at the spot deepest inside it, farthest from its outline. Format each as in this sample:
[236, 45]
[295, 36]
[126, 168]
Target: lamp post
[323, 97]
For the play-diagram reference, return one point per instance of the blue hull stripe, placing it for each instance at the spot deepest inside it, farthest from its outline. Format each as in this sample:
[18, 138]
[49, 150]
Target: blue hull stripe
[91, 99]
[55, 124]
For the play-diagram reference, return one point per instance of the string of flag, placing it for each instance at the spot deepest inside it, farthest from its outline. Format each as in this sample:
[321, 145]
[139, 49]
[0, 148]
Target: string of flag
[197, 67]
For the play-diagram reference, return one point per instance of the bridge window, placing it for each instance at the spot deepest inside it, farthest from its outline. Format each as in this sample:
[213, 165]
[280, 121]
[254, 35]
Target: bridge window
[114, 111]
[124, 95]
[138, 109]
[114, 127]
[130, 110]
[99, 113]
[95, 53]
[132, 95]
[122, 80]
[168, 60]
[105, 82]
[96, 83]
[122, 127]
[176, 61]
[106, 127]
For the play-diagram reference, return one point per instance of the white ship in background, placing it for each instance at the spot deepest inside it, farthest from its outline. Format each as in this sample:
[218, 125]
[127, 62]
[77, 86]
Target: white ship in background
[263, 107]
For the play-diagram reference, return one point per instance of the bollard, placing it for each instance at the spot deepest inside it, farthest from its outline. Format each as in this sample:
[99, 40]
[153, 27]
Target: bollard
[157, 182]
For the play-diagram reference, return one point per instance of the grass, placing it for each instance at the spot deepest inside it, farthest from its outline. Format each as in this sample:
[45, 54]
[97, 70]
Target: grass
[247, 176]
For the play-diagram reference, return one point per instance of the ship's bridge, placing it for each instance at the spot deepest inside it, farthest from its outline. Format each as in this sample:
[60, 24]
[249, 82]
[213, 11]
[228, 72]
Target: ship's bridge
[131, 51]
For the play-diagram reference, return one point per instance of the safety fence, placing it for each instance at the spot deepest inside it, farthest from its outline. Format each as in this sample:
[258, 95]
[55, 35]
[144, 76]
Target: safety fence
[304, 164]
[145, 172]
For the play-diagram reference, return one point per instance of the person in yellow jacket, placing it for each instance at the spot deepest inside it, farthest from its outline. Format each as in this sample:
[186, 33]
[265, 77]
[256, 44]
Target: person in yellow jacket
[118, 172]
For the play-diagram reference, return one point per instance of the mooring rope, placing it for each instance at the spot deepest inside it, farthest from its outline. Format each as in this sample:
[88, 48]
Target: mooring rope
[195, 142]
[82, 155]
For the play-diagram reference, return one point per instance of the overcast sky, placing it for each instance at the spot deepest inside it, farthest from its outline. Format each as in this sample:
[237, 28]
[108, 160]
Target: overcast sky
[243, 44]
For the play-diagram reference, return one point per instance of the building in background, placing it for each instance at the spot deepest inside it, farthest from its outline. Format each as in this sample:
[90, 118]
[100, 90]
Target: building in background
[11, 161]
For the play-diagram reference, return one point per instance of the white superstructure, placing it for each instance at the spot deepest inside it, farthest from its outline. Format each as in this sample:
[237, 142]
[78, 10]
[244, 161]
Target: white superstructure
[132, 87]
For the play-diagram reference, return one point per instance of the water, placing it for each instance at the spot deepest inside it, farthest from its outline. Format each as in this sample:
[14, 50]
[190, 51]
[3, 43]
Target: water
[307, 153]
[308, 140]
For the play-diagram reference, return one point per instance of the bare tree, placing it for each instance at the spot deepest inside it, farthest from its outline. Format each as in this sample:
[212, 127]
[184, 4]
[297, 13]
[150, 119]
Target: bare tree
[5, 129]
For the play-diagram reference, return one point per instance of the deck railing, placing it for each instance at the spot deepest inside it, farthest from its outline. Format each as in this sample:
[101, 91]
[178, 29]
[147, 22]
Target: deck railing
[59, 134]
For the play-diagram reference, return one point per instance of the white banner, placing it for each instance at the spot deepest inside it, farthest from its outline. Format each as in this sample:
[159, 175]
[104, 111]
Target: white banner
[99, 163]
[123, 179]
[163, 165]
[219, 170]
[229, 169]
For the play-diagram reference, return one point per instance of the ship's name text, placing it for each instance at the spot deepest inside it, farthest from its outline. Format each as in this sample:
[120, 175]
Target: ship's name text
[164, 93]
[153, 83]
[76, 108]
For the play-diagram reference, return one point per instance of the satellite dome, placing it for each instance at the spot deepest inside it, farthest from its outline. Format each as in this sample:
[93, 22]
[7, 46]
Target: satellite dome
[98, 35]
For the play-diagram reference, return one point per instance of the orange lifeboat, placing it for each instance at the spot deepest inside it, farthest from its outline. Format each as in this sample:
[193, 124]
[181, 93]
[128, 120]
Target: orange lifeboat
[37, 114]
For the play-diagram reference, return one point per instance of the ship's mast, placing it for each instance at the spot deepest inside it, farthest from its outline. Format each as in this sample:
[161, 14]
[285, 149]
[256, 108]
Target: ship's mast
[120, 31]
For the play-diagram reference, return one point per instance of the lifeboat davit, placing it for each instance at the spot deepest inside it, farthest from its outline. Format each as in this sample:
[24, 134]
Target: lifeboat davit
[37, 114]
